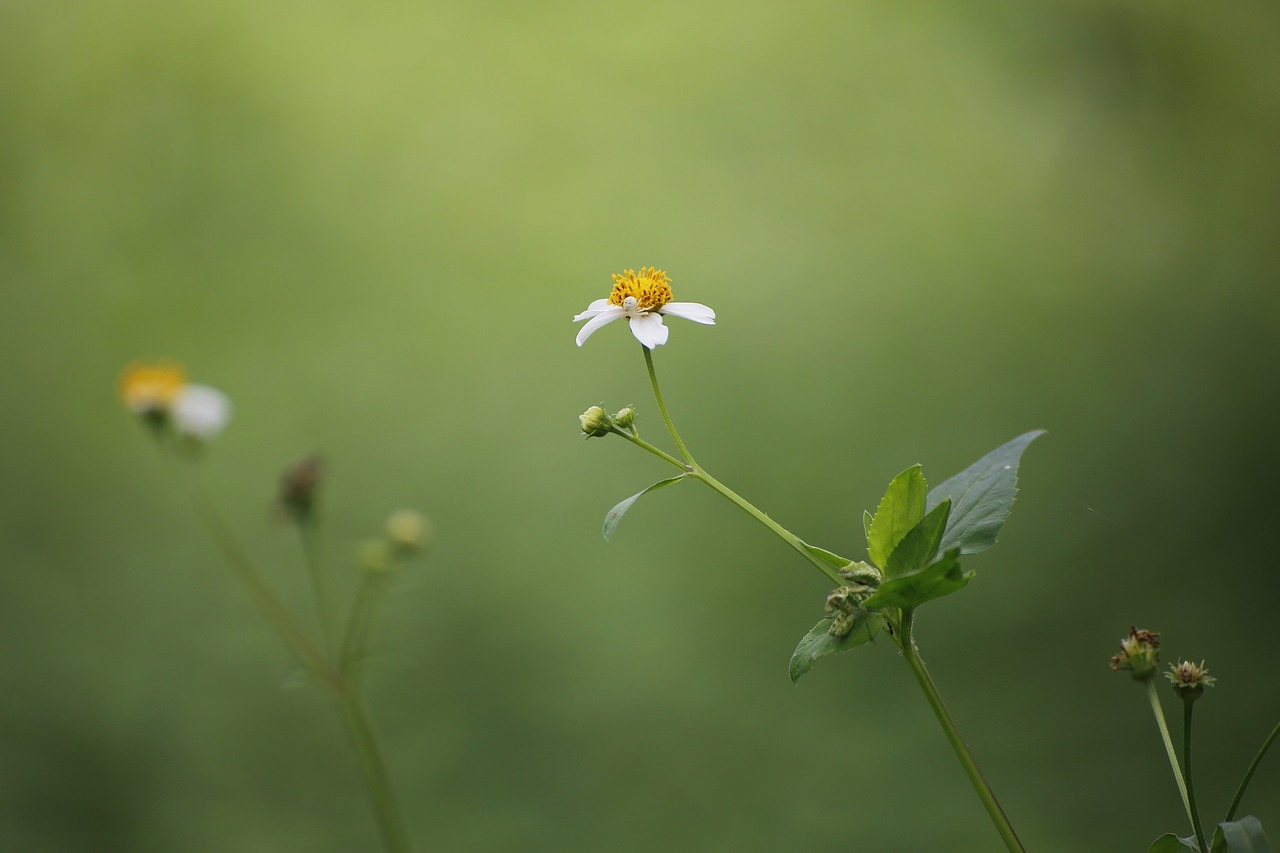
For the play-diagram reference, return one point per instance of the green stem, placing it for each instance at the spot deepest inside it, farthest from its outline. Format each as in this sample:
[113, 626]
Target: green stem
[1248, 775]
[1168, 747]
[355, 641]
[1186, 760]
[275, 610]
[390, 824]
[319, 582]
[658, 452]
[662, 407]
[988, 797]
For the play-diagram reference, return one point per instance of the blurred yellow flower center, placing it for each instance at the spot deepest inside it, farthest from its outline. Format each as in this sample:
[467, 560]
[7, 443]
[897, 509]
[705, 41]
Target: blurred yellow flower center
[649, 288]
[151, 387]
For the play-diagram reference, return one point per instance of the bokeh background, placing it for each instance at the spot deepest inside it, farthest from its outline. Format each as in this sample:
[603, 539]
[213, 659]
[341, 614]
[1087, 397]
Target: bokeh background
[926, 228]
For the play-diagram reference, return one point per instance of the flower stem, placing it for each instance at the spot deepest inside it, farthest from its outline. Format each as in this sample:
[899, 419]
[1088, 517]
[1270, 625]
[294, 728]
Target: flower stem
[1186, 760]
[320, 585]
[1168, 747]
[360, 724]
[355, 641]
[1248, 775]
[662, 407]
[988, 797]
[656, 451]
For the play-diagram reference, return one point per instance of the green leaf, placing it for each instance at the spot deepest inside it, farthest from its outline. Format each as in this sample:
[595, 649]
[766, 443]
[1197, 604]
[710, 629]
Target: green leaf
[982, 496]
[818, 643]
[901, 509]
[866, 525]
[826, 556]
[910, 591]
[615, 515]
[1170, 843]
[920, 545]
[1244, 836]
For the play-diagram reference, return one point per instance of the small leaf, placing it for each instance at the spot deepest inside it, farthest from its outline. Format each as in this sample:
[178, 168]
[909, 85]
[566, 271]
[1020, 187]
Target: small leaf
[901, 509]
[910, 591]
[826, 556]
[866, 525]
[1170, 843]
[1244, 836]
[819, 643]
[615, 515]
[920, 545]
[982, 496]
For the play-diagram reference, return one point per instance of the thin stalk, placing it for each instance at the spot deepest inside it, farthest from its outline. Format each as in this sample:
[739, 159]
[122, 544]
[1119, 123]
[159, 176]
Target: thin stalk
[355, 641]
[1248, 774]
[656, 451]
[1168, 747]
[382, 796]
[320, 585]
[988, 797]
[1186, 760]
[662, 407]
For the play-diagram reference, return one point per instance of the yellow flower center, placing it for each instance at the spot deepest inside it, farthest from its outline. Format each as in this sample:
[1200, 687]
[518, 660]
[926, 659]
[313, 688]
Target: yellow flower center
[649, 288]
[151, 387]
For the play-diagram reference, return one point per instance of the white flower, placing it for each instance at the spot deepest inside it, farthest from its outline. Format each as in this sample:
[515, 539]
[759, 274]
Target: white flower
[642, 298]
[200, 412]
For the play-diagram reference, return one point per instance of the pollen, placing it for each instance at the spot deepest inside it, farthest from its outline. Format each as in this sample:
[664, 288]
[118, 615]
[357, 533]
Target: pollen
[151, 387]
[650, 288]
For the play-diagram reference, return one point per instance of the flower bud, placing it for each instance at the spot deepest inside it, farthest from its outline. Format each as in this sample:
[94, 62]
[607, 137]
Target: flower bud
[595, 422]
[408, 530]
[1139, 653]
[375, 555]
[1189, 680]
[298, 488]
[863, 573]
[625, 418]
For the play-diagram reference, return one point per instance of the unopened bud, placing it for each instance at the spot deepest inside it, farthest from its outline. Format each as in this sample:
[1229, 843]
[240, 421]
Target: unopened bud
[595, 422]
[625, 418]
[408, 530]
[298, 487]
[375, 555]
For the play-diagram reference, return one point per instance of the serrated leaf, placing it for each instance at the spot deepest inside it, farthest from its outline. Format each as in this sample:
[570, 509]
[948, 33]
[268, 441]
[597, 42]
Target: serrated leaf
[614, 515]
[901, 509]
[826, 556]
[866, 525]
[981, 496]
[1244, 836]
[934, 581]
[819, 643]
[920, 545]
[1170, 843]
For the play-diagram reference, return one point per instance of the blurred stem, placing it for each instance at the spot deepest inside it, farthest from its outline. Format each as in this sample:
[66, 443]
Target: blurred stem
[1186, 760]
[382, 796]
[355, 642]
[988, 797]
[1168, 747]
[308, 534]
[264, 597]
[1248, 775]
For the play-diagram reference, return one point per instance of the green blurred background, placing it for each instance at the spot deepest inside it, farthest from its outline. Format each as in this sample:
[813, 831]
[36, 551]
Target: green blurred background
[926, 228]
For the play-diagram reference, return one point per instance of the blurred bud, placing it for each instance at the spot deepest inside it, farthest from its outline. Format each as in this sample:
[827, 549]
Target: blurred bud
[375, 555]
[298, 487]
[149, 390]
[625, 418]
[863, 573]
[843, 605]
[408, 530]
[200, 413]
[1189, 680]
[595, 422]
[1139, 653]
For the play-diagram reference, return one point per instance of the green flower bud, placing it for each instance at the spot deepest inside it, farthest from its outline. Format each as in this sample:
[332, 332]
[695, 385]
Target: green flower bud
[595, 422]
[1139, 653]
[1189, 680]
[375, 555]
[625, 418]
[863, 573]
[408, 530]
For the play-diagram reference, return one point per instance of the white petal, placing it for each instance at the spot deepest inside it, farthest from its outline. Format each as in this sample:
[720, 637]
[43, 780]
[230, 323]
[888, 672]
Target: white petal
[695, 311]
[592, 310]
[602, 318]
[200, 412]
[649, 330]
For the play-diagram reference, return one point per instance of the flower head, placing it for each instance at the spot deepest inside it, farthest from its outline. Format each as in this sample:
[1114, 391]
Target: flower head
[200, 412]
[151, 389]
[1189, 679]
[643, 298]
[408, 530]
[1139, 653]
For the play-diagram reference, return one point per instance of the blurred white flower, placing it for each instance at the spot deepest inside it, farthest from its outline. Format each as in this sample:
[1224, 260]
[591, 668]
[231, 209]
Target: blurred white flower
[642, 298]
[200, 412]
